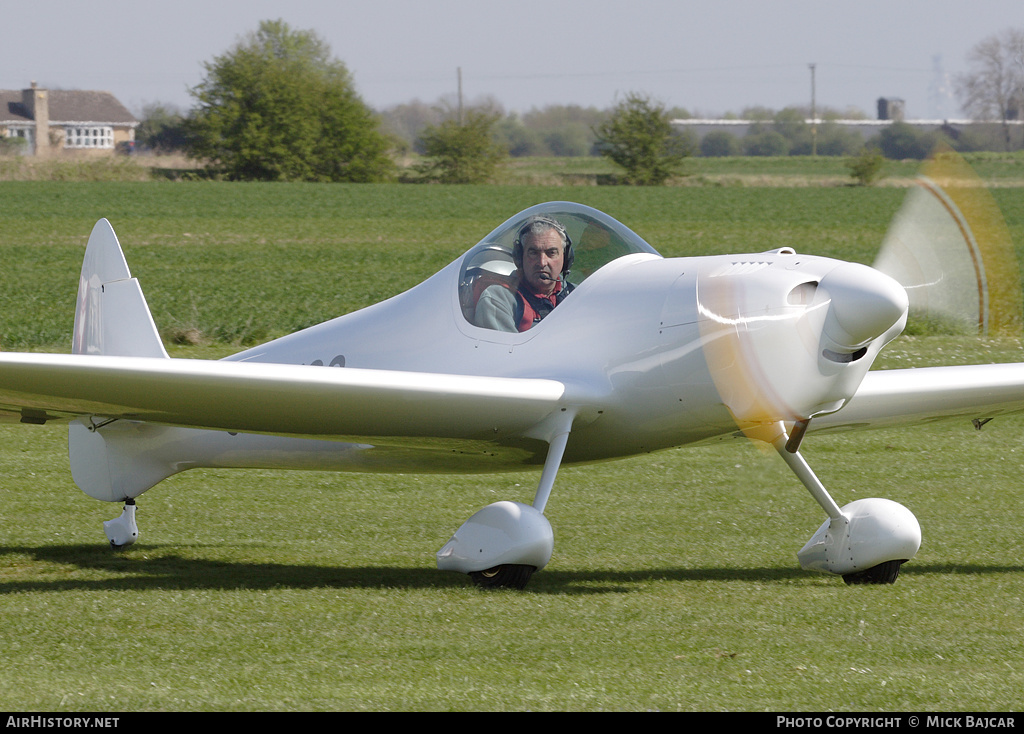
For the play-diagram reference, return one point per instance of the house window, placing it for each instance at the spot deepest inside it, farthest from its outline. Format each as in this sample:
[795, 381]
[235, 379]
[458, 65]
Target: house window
[21, 132]
[89, 137]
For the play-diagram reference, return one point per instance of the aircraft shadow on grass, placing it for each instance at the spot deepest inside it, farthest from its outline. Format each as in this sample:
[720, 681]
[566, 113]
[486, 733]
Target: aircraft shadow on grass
[174, 572]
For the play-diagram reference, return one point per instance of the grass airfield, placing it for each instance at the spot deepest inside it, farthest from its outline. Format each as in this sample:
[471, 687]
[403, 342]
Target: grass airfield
[674, 584]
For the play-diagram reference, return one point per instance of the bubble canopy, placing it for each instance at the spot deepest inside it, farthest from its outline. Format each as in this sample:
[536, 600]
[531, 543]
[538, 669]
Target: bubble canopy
[596, 239]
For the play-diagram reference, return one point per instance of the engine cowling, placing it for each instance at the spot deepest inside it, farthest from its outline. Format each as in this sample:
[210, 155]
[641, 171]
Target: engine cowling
[787, 338]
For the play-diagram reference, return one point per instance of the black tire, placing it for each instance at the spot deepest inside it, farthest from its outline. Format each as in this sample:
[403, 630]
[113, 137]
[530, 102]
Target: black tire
[510, 576]
[883, 573]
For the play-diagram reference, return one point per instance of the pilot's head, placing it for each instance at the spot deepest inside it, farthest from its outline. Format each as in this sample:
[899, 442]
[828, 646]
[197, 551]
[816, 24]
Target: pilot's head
[543, 253]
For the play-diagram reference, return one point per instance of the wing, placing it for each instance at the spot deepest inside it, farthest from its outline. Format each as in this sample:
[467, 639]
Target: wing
[298, 400]
[901, 397]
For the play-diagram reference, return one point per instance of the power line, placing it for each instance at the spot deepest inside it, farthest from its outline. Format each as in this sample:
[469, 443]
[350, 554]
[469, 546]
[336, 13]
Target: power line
[645, 72]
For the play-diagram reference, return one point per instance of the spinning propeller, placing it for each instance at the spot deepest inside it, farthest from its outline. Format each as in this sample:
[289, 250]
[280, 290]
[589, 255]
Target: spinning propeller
[952, 251]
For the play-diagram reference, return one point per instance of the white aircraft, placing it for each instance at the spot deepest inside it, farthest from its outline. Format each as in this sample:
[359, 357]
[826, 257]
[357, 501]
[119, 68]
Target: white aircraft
[646, 353]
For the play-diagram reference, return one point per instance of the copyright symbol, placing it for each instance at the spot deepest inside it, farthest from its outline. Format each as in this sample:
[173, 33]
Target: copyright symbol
[914, 721]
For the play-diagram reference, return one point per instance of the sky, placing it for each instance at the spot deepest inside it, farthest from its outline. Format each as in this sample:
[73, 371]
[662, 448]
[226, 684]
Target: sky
[711, 57]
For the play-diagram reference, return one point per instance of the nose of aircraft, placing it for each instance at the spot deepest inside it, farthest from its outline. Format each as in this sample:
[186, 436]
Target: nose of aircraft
[808, 360]
[864, 304]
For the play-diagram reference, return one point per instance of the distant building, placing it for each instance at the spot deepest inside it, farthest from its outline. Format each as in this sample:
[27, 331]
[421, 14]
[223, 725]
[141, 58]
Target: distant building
[890, 108]
[66, 122]
[866, 128]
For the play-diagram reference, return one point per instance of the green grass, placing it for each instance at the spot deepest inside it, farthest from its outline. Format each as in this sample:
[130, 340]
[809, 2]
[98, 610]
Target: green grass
[674, 584]
[999, 169]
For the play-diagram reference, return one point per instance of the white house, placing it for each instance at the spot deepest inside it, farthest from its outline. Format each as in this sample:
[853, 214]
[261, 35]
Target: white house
[65, 122]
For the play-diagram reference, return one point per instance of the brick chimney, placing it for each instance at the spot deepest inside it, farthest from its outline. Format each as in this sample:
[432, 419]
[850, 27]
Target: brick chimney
[37, 102]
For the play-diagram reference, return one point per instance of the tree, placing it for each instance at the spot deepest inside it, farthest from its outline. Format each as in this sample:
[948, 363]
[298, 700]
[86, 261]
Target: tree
[566, 130]
[278, 107]
[791, 124]
[867, 167]
[767, 143]
[462, 152]
[407, 121]
[518, 139]
[835, 140]
[163, 129]
[994, 87]
[719, 144]
[900, 141]
[638, 136]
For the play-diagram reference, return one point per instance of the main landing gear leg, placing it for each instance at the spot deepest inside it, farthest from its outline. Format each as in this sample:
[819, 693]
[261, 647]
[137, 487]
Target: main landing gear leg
[865, 542]
[503, 544]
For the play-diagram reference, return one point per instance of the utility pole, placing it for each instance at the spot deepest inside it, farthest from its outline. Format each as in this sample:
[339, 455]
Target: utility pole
[459, 72]
[1020, 91]
[814, 116]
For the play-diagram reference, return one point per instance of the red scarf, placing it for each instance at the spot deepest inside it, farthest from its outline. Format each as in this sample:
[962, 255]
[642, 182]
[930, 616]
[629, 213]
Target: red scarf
[535, 306]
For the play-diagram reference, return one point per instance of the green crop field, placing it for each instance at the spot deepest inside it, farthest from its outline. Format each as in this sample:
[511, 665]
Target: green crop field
[674, 584]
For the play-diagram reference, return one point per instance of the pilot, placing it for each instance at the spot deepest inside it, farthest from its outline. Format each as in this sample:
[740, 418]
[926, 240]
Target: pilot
[543, 255]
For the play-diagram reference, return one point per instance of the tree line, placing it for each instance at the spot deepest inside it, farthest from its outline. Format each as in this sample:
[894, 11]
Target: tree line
[278, 106]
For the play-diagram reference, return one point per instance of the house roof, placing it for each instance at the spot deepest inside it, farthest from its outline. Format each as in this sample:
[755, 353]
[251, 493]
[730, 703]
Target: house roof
[68, 106]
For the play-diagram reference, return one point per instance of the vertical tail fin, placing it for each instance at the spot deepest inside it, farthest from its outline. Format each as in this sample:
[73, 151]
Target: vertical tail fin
[112, 317]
